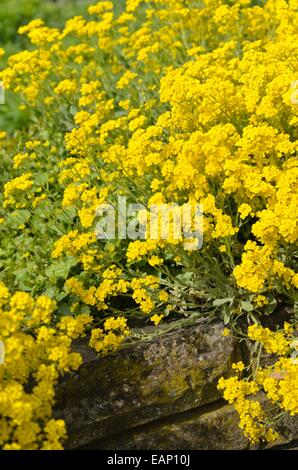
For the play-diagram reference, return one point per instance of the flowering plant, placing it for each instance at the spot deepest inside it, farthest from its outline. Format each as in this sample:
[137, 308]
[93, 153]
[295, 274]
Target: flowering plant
[168, 101]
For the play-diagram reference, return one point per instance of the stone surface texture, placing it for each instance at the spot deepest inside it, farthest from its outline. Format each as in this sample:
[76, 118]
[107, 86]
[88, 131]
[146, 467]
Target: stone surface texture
[156, 394]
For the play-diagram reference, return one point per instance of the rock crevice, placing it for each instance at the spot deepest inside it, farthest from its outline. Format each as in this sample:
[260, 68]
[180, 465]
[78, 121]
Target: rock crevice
[157, 394]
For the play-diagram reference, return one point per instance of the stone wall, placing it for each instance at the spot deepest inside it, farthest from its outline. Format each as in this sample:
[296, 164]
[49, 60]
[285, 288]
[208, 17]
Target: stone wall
[158, 394]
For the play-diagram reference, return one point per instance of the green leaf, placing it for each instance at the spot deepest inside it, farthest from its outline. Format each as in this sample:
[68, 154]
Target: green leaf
[247, 306]
[17, 217]
[253, 317]
[62, 296]
[271, 306]
[51, 292]
[227, 316]
[219, 302]
[84, 309]
[185, 278]
[61, 269]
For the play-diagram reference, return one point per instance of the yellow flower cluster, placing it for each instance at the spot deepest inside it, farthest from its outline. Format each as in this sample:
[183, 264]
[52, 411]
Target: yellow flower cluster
[20, 184]
[251, 414]
[140, 292]
[111, 337]
[33, 349]
[227, 138]
[273, 342]
[279, 381]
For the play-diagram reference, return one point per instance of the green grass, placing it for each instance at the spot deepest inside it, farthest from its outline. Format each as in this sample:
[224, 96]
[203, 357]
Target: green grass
[15, 13]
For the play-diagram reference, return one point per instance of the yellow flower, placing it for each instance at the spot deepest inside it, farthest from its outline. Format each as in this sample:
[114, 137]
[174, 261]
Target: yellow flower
[244, 210]
[155, 261]
[226, 332]
[238, 366]
[126, 79]
[156, 319]
[273, 342]
[66, 87]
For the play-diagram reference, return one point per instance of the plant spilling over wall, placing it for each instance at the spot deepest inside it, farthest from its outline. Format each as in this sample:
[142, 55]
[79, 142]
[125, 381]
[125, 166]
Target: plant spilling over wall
[167, 102]
[36, 353]
[15, 13]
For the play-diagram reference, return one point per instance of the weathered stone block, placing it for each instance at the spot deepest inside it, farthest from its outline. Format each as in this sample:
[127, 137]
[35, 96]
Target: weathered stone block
[213, 427]
[172, 373]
